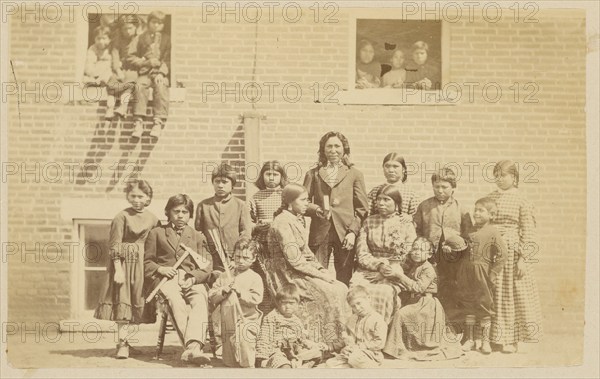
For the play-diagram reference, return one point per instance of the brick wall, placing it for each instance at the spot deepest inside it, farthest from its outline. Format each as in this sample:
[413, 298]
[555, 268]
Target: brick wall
[549, 134]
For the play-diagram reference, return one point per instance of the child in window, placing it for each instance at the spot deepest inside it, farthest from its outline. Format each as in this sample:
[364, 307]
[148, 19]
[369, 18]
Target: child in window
[153, 57]
[98, 70]
[122, 52]
[396, 77]
[239, 338]
[421, 73]
[368, 70]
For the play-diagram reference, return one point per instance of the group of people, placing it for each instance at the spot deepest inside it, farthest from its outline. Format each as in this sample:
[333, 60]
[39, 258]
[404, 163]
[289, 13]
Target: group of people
[417, 72]
[405, 271]
[128, 64]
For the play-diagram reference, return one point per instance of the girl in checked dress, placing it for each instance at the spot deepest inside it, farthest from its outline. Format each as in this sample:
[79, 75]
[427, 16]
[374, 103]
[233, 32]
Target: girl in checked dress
[263, 204]
[518, 315]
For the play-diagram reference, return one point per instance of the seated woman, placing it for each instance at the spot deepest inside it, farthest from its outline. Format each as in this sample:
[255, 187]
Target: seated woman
[323, 306]
[388, 234]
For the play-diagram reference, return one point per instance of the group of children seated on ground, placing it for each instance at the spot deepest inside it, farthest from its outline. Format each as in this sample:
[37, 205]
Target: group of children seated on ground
[418, 72]
[181, 261]
[128, 63]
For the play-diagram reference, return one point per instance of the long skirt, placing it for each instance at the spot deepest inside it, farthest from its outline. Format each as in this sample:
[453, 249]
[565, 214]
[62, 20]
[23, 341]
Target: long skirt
[125, 302]
[474, 295]
[419, 325]
[518, 313]
[325, 315]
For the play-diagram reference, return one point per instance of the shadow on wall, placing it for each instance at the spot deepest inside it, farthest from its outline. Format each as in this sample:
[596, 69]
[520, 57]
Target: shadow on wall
[106, 133]
[132, 160]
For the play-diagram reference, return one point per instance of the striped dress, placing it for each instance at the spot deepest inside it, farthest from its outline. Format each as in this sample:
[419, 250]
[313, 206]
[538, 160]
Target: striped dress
[518, 313]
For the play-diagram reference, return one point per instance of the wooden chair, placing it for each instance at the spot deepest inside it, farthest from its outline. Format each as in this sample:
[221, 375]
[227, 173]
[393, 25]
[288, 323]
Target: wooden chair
[167, 323]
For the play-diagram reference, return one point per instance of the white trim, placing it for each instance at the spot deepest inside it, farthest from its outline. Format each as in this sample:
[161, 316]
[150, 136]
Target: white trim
[102, 209]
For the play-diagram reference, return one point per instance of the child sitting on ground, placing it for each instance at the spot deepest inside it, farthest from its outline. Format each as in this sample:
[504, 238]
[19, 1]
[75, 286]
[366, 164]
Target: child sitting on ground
[283, 342]
[366, 334]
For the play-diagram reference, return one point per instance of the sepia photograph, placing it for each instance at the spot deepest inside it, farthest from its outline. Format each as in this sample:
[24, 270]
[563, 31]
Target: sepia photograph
[399, 53]
[356, 189]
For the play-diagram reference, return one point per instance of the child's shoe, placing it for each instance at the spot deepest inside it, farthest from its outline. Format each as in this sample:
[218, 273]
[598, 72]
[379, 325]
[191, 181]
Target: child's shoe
[121, 110]
[110, 113]
[486, 348]
[138, 129]
[122, 350]
[157, 128]
[478, 344]
[110, 107]
[468, 345]
[509, 349]
[193, 353]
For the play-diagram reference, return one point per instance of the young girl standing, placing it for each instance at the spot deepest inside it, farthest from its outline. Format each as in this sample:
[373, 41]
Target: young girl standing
[271, 180]
[518, 315]
[267, 200]
[123, 301]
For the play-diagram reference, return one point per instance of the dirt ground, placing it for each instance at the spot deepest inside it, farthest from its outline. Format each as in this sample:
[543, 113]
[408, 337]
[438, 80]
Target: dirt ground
[97, 350]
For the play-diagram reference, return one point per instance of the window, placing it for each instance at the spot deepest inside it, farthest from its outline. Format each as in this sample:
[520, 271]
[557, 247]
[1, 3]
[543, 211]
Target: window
[91, 93]
[396, 60]
[90, 273]
[111, 21]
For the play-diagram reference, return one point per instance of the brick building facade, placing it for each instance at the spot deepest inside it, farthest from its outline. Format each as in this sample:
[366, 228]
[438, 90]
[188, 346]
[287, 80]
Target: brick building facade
[53, 205]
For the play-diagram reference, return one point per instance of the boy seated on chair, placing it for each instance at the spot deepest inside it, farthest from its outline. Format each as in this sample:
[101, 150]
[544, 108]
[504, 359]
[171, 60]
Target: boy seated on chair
[185, 284]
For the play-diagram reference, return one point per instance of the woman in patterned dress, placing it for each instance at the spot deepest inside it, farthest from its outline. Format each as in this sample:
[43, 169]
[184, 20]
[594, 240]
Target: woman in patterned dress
[518, 314]
[386, 234]
[394, 169]
[263, 204]
[323, 306]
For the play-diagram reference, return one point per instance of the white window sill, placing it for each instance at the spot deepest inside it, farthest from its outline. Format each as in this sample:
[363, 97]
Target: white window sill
[401, 96]
[94, 95]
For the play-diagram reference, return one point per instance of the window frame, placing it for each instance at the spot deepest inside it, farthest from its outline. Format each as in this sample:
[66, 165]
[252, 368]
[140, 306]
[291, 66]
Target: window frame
[78, 274]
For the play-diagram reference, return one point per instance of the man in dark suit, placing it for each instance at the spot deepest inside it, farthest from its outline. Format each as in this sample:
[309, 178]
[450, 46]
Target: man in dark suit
[339, 205]
[185, 284]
